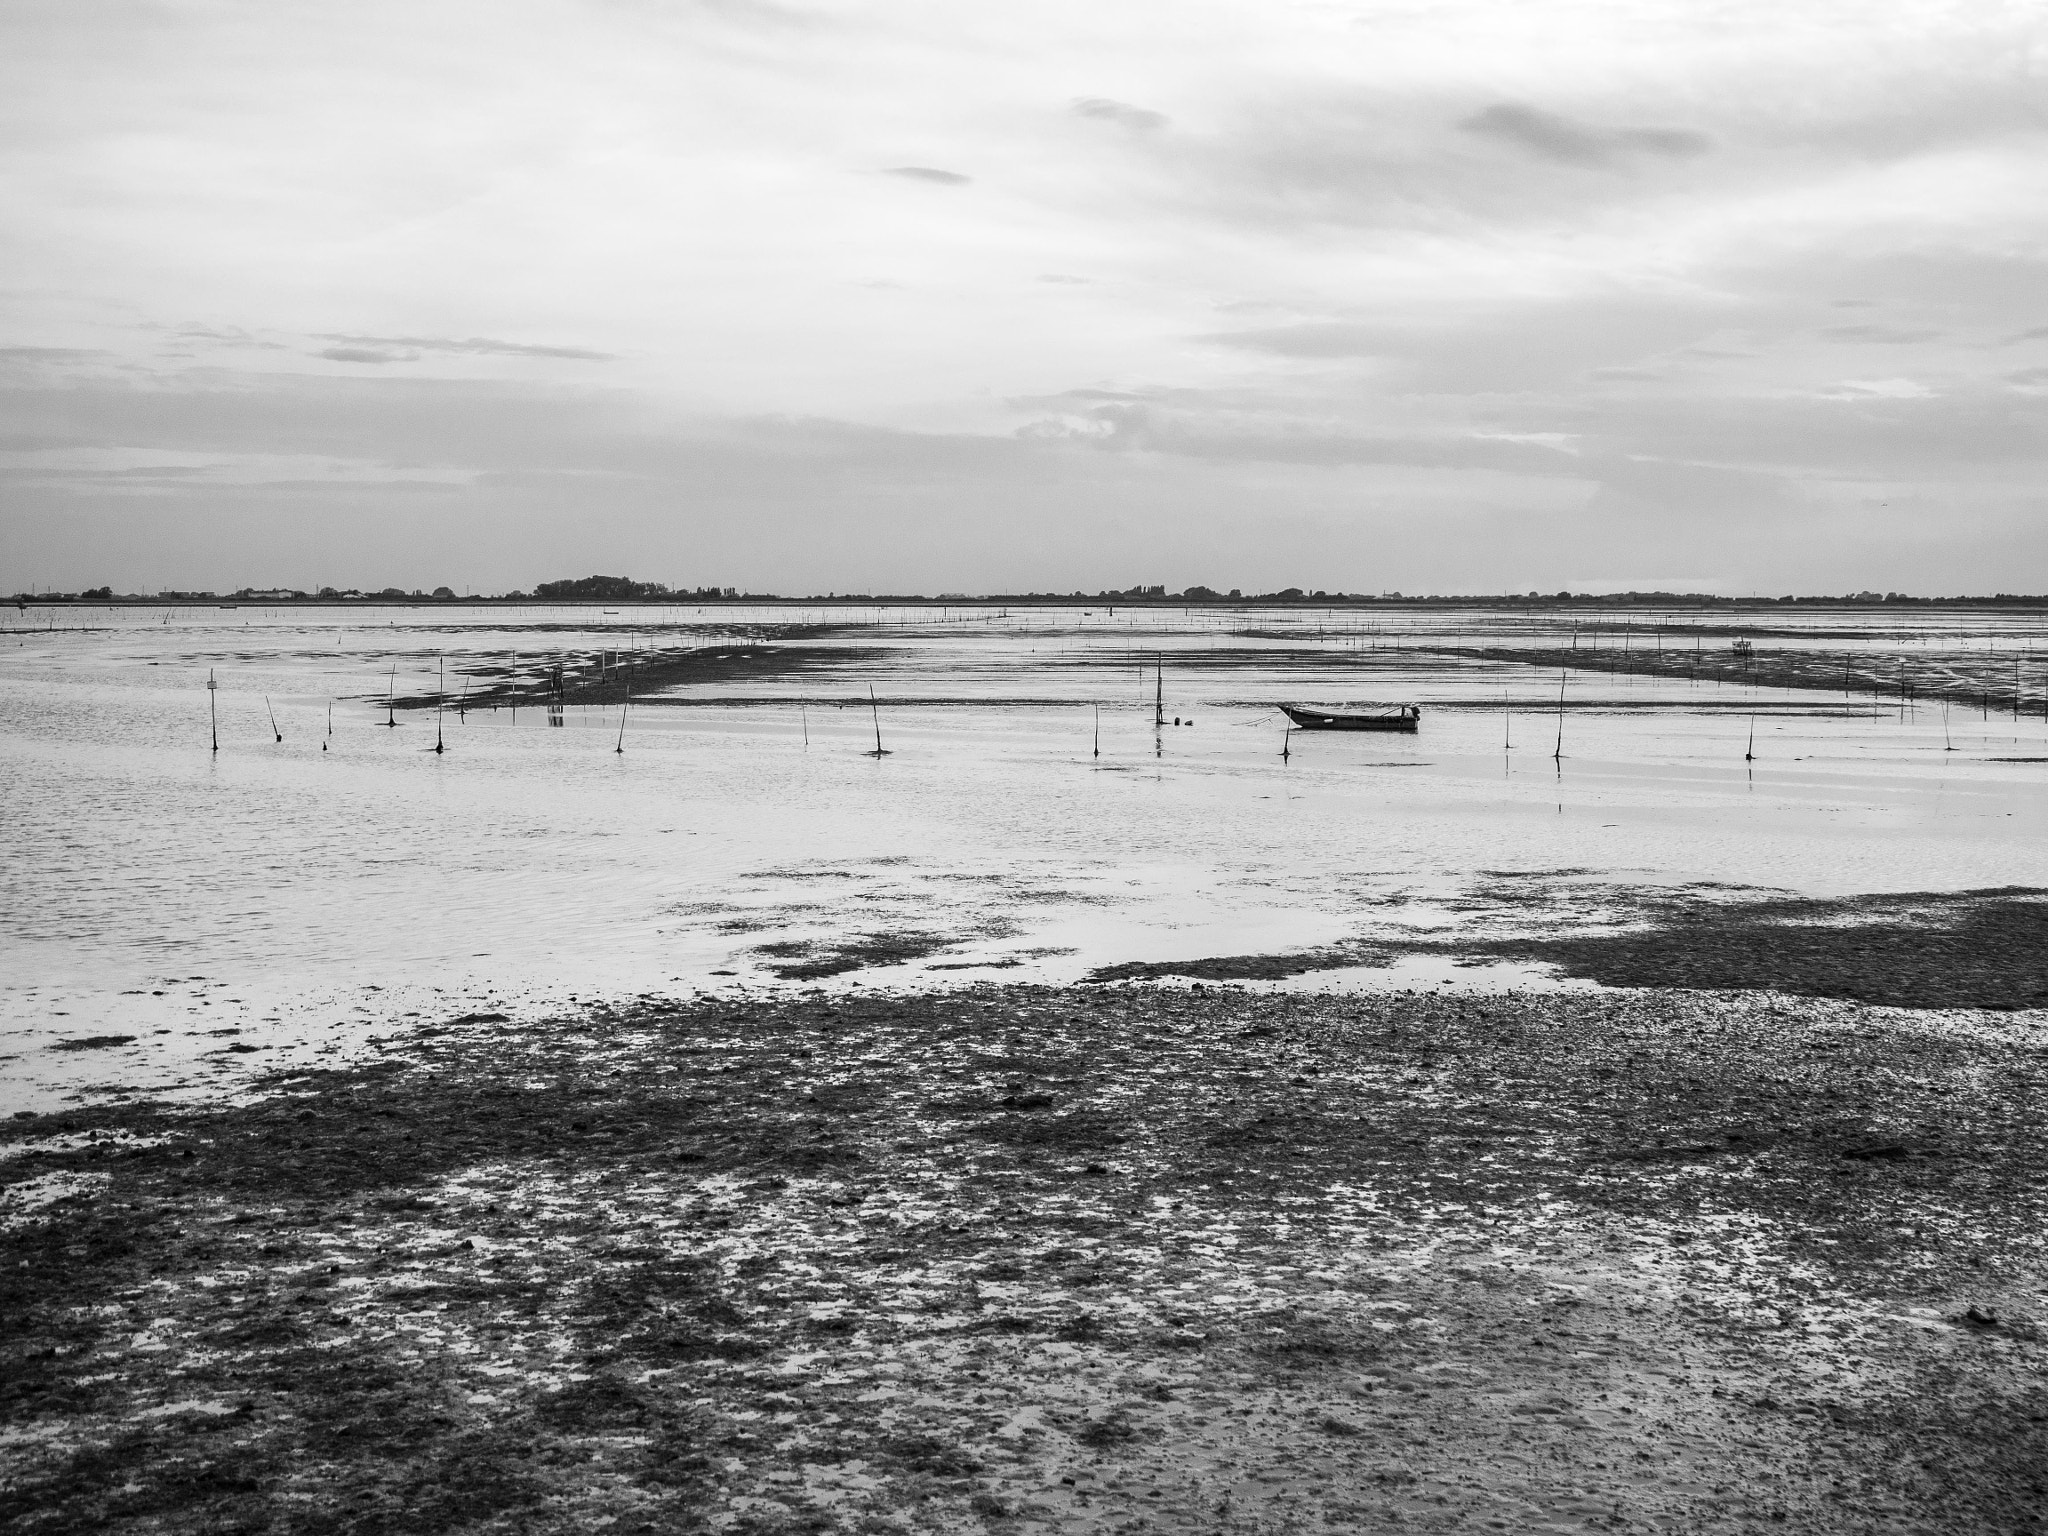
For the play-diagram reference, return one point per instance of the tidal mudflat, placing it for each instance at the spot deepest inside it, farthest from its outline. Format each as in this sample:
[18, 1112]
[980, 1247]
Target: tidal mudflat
[1057, 1259]
[670, 797]
[653, 1112]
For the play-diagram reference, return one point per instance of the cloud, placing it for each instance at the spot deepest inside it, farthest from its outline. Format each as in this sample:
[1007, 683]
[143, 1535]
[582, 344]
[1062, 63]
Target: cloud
[1243, 480]
[1123, 114]
[1891, 335]
[1548, 345]
[1414, 159]
[1636, 243]
[928, 173]
[1101, 420]
[1319, 338]
[758, 13]
[1551, 137]
[367, 355]
[475, 345]
[227, 336]
[1883, 389]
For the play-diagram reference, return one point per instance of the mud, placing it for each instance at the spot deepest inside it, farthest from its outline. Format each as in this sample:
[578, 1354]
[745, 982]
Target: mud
[814, 959]
[1982, 681]
[1967, 949]
[1951, 949]
[1033, 1260]
[1265, 967]
[643, 675]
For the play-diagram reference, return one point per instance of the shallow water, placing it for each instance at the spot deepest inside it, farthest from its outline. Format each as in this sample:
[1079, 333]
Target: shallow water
[308, 892]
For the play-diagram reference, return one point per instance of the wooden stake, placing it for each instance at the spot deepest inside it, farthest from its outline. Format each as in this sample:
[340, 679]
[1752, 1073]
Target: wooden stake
[875, 710]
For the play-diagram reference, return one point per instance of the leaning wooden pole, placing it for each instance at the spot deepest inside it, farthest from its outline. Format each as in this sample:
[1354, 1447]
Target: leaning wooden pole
[1557, 756]
[875, 710]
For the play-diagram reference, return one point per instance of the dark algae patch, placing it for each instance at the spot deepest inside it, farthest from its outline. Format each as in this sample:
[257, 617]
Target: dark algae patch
[1862, 678]
[1037, 1259]
[1963, 949]
[770, 653]
[1274, 967]
[812, 959]
[1968, 949]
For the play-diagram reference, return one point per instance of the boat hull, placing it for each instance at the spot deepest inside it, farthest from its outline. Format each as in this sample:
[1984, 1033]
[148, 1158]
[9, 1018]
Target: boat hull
[1407, 720]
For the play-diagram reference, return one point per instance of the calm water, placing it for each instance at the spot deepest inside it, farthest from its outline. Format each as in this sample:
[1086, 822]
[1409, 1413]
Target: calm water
[307, 898]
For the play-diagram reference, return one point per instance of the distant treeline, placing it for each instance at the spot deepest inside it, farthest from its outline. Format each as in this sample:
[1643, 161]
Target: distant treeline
[624, 589]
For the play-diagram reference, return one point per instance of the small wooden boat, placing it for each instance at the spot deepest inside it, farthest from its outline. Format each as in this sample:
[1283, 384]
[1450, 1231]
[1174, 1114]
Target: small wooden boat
[1395, 717]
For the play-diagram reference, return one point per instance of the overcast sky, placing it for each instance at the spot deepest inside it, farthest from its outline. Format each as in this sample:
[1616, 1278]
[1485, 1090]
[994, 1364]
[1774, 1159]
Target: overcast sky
[1466, 296]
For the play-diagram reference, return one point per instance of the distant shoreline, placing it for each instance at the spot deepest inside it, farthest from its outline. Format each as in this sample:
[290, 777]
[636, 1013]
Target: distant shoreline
[1034, 600]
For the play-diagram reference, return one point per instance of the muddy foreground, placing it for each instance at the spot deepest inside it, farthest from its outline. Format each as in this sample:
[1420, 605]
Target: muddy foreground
[1056, 1260]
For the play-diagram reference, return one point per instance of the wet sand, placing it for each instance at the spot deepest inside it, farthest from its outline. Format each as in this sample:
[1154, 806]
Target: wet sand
[1056, 1259]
